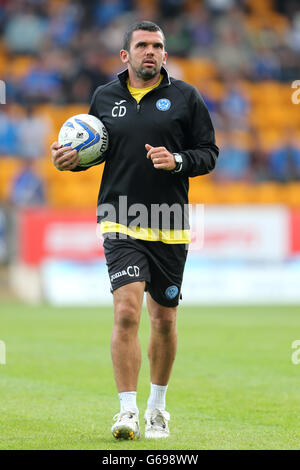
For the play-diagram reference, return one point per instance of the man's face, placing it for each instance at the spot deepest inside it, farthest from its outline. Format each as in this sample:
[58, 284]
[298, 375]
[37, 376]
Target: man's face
[146, 55]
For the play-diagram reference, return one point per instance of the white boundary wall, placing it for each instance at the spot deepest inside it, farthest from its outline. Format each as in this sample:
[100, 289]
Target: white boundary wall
[238, 255]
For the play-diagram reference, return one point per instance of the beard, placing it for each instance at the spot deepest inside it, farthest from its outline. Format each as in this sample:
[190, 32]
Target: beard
[145, 73]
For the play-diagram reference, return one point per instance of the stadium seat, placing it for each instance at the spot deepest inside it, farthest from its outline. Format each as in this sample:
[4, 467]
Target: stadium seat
[292, 194]
[269, 193]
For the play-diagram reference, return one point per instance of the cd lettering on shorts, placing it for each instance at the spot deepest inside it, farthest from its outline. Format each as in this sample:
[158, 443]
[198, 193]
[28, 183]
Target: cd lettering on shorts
[131, 271]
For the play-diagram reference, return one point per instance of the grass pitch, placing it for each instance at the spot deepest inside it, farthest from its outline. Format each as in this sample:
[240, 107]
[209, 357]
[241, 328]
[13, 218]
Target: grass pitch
[233, 385]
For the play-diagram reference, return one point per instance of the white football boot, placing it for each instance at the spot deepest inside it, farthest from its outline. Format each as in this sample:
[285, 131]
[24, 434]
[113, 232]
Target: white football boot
[156, 423]
[126, 425]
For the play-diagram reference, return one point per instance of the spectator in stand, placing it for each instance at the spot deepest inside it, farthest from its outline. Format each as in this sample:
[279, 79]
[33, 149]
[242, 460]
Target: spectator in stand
[231, 48]
[201, 29]
[28, 188]
[285, 159]
[24, 29]
[89, 76]
[259, 160]
[9, 141]
[64, 19]
[179, 40]
[111, 38]
[289, 63]
[235, 105]
[233, 162]
[171, 8]
[266, 64]
[294, 36]
[32, 133]
[106, 11]
[41, 84]
[220, 6]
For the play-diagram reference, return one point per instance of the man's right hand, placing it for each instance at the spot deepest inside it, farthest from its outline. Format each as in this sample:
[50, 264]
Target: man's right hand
[64, 158]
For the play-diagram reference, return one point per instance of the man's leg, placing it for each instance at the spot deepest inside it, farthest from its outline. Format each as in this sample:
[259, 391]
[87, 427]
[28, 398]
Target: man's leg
[125, 346]
[163, 341]
[161, 352]
[126, 357]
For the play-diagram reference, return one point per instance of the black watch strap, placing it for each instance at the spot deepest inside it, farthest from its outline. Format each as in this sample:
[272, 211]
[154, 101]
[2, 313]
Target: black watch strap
[178, 161]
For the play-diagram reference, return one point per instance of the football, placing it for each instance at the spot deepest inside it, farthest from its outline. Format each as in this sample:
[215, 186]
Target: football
[88, 135]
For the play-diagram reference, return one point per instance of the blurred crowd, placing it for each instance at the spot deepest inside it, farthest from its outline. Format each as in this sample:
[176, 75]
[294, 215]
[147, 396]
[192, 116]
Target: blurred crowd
[69, 44]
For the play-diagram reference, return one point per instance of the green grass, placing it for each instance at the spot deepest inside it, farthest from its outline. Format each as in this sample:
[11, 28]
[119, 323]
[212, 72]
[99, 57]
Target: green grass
[233, 384]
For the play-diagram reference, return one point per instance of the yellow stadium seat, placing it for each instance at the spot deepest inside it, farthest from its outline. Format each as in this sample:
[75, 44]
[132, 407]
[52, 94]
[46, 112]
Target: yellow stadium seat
[269, 193]
[234, 193]
[292, 194]
[196, 70]
[260, 7]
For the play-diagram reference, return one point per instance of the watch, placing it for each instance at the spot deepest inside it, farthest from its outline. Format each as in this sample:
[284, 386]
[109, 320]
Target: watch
[178, 161]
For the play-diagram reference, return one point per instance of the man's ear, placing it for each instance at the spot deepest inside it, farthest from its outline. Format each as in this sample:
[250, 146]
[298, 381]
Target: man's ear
[124, 56]
[165, 59]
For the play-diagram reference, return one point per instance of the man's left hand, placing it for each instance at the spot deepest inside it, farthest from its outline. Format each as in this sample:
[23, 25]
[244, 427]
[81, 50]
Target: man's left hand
[161, 158]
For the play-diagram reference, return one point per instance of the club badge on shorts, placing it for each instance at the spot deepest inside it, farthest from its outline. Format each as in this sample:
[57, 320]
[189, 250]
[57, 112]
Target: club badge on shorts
[171, 292]
[163, 104]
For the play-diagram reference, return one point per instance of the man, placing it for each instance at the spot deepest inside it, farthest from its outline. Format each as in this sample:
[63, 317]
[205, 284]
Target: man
[160, 133]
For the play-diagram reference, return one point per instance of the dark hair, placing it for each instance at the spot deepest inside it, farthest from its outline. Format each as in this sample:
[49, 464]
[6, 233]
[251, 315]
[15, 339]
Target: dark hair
[144, 26]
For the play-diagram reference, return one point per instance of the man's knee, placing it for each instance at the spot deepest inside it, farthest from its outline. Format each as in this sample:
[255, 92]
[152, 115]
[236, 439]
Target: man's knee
[164, 321]
[127, 308]
[127, 315]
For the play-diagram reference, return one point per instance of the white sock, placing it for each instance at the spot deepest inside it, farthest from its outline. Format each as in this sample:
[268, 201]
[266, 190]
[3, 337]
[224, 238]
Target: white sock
[128, 401]
[157, 398]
